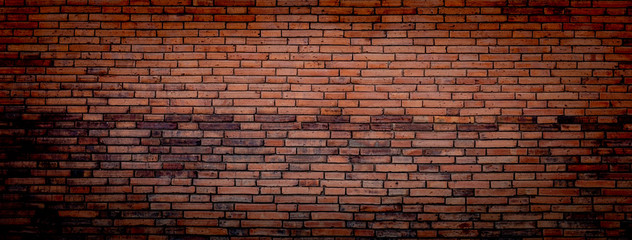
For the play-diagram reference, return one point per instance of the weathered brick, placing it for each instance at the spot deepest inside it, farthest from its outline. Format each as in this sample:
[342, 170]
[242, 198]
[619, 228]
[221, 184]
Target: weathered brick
[275, 118]
[157, 125]
[436, 119]
[219, 126]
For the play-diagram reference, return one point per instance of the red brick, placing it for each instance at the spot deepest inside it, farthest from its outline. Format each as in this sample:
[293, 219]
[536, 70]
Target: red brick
[317, 118]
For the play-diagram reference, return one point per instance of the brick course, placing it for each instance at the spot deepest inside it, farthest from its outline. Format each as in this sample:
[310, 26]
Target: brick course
[197, 119]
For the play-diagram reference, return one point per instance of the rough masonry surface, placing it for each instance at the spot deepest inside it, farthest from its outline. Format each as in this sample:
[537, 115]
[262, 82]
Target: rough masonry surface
[202, 119]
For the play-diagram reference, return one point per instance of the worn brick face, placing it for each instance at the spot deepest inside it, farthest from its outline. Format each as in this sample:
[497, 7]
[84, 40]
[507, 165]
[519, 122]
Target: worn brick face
[198, 119]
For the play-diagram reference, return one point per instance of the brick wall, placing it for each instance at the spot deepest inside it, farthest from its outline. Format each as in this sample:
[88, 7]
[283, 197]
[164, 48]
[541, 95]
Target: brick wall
[188, 119]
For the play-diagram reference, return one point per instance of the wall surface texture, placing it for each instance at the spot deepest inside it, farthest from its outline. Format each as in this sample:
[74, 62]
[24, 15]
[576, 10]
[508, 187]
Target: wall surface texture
[198, 119]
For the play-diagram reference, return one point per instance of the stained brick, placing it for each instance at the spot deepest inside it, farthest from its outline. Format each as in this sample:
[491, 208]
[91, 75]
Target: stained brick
[439, 119]
[275, 118]
[219, 126]
[157, 125]
[477, 127]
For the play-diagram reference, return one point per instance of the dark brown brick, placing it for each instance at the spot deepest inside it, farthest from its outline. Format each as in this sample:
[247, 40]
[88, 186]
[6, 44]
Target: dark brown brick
[412, 127]
[477, 127]
[243, 142]
[181, 141]
[334, 119]
[212, 118]
[157, 125]
[391, 119]
[275, 118]
[219, 126]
